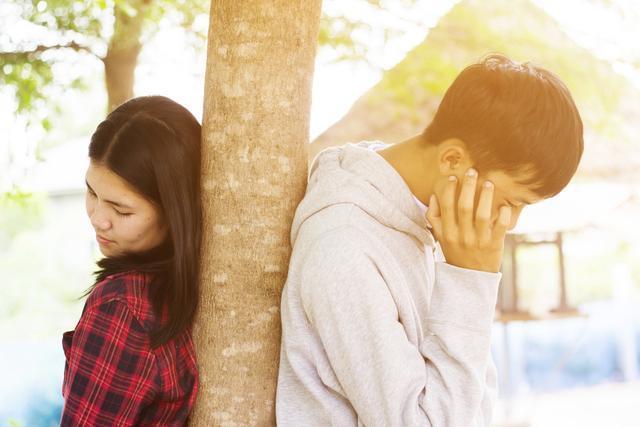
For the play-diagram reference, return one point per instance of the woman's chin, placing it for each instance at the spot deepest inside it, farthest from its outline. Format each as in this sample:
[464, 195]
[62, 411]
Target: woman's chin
[107, 251]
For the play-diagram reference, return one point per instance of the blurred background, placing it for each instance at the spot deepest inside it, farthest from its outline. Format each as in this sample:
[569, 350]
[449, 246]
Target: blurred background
[567, 332]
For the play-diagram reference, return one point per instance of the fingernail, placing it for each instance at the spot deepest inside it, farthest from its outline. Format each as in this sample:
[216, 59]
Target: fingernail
[488, 184]
[452, 178]
[471, 173]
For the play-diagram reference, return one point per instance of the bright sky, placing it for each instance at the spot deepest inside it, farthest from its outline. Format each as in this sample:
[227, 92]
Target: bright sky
[336, 84]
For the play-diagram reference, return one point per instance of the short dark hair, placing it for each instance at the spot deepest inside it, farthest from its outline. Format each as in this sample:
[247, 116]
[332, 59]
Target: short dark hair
[510, 116]
[153, 143]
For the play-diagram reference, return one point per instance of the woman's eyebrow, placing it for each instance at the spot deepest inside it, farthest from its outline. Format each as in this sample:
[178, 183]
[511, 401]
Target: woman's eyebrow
[119, 205]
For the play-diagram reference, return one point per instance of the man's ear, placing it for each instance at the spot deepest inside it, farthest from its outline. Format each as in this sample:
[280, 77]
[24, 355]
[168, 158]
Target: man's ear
[453, 157]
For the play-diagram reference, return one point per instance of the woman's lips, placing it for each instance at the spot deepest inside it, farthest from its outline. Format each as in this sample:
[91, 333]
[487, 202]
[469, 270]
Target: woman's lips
[102, 240]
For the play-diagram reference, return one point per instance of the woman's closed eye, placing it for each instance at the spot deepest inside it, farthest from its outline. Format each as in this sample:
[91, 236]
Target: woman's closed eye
[123, 214]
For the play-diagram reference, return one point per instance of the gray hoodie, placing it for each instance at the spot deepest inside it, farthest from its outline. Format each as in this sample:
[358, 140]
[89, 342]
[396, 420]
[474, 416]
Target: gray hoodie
[375, 332]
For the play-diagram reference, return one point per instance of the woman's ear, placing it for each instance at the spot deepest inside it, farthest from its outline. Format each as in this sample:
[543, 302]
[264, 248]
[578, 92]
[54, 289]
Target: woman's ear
[453, 157]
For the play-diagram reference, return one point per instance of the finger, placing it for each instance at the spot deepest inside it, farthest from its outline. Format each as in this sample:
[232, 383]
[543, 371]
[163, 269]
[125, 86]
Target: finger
[448, 210]
[433, 217]
[483, 214]
[504, 219]
[465, 207]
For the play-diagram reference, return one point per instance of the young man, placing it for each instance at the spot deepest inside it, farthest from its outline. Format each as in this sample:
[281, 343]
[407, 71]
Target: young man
[379, 328]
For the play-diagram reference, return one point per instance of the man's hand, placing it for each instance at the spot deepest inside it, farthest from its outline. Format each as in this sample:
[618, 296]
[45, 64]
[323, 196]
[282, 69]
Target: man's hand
[469, 240]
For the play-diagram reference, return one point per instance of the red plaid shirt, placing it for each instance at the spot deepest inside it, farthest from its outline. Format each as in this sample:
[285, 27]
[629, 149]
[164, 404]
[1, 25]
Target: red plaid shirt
[112, 375]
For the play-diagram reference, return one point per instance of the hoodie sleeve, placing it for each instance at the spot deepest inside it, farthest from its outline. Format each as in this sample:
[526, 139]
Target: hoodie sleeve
[387, 379]
[462, 385]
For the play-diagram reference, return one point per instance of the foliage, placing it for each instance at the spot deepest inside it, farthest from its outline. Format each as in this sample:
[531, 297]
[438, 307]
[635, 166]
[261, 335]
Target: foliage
[19, 211]
[348, 36]
[28, 64]
[86, 28]
[69, 29]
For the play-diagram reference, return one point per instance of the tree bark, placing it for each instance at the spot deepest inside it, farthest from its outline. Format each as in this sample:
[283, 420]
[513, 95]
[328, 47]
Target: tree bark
[255, 133]
[123, 51]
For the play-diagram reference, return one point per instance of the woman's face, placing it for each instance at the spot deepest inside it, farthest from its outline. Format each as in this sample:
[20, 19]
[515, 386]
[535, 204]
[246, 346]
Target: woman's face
[124, 220]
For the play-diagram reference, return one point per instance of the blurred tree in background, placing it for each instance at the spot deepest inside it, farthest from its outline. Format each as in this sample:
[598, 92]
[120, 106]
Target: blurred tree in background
[114, 32]
[51, 52]
[111, 31]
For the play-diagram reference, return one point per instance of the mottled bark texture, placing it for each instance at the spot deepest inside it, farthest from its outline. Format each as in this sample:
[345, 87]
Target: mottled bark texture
[255, 132]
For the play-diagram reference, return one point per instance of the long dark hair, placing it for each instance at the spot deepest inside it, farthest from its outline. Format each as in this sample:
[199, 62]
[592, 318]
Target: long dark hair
[153, 143]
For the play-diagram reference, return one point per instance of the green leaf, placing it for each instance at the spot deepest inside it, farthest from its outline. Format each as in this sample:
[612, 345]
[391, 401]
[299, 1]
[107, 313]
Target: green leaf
[126, 8]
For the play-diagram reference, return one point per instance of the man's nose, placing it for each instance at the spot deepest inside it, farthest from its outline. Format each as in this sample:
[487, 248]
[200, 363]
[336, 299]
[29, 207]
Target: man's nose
[515, 215]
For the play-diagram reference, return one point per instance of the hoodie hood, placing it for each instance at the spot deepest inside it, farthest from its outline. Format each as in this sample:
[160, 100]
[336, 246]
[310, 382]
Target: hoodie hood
[355, 174]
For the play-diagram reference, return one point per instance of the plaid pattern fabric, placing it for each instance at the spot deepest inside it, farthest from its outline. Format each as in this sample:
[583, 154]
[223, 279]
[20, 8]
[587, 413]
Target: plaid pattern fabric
[112, 375]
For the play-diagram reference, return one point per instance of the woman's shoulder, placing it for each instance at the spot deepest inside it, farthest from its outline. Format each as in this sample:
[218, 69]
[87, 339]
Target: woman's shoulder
[129, 288]
[126, 285]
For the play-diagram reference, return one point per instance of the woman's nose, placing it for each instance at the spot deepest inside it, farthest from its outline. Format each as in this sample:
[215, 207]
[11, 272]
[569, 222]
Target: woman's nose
[99, 219]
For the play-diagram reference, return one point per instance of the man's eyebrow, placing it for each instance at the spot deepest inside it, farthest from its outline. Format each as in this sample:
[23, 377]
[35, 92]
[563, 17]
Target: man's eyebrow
[116, 204]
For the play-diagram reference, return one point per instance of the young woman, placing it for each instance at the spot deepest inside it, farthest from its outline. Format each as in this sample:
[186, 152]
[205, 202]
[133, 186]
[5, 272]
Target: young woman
[131, 360]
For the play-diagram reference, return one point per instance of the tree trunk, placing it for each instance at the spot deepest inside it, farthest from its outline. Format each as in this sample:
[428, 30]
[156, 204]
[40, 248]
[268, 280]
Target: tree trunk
[255, 133]
[122, 53]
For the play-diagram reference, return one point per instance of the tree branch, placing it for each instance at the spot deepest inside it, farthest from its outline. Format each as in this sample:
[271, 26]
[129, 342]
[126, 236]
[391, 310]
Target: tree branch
[8, 57]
